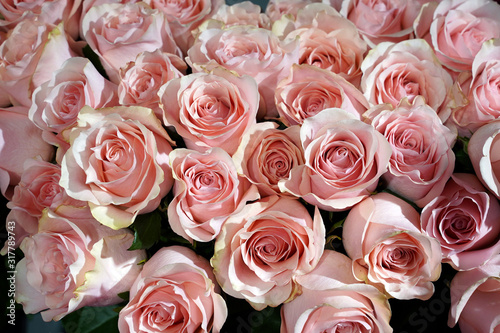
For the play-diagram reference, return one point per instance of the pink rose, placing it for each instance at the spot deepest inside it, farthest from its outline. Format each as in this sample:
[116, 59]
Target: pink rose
[21, 225]
[422, 158]
[276, 9]
[344, 159]
[309, 90]
[56, 102]
[484, 152]
[408, 69]
[20, 140]
[249, 51]
[242, 13]
[72, 262]
[333, 300]
[464, 219]
[117, 33]
[382, 21]
[32, 51]
[262, 249]
[140, 80]
[479, 90]
[185, 16]
[475, 299]
[460, 27]
[176, 291]
[38, 189]
[53, 12]
[210, 109]
[118, 162]
[266, 155]
[207, 190]
[327, 40]
[382, 236]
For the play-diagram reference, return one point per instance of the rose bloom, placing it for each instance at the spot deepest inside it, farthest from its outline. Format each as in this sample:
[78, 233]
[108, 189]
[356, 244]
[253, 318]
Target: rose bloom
[382, 236]
[422, 158]
[207, 190]
[249, 51]
[141, 79]
[210, 109]
[118, 32]
[27, 57]
[72, 262]
[176, 291]
[484, 153]
[344, 159]
[56, 102]
[266, 155]
[479, 90]
[53, 12]
[327, 40]
[276, 9]
[382, 21]
[185, 16]
[309, 90]
[464, 219]
[118, 162]
[408, 69]
[459, 28]
[333, 300]
[262, 249]
[20, 140]
[475, 298]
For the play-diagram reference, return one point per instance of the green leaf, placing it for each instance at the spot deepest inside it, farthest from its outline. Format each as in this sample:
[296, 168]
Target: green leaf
[92, 320]
[462, 160]
[147, 231]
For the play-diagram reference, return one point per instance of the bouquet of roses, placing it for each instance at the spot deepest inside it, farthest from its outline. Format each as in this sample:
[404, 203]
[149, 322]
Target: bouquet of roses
[304, 166]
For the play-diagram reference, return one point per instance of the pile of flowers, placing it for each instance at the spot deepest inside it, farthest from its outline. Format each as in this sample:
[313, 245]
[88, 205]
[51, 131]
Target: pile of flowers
[174, 160]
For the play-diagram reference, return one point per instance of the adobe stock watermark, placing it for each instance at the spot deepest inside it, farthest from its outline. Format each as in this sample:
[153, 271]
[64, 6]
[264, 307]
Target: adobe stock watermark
[429, 312]
[11, 272]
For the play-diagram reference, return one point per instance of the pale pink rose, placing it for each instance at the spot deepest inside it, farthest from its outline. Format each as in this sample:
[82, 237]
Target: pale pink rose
[484, 153]
[266, 155]
[20, 225]
[459, 28]
[344, 159]
[464, 219]
[32, 51]
[207, 189]
[333, 300]
[309, 90]
[176, 291]
[210, 109]
[20, 140]
[383, 20]
[72, 262]
[117, 33]
[262, 249]
[480, 90]
[252, 51]
[242, 13]
[53, 12]
[276, 9]
[184, 16]
[382, 236]
[118, 162]
[327, 40]
[422, 158]
[408, 69]
[475, 299]
[39, 189]
[56, 102]
[140, 80]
